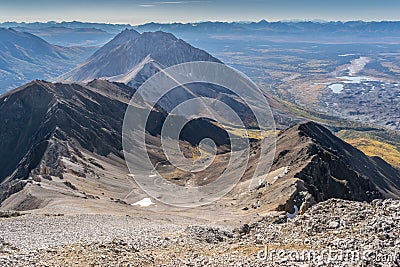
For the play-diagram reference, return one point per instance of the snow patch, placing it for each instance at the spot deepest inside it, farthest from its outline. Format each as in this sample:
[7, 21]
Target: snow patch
[292, 216]
[145, 202]
[336, 88]
[283, 173]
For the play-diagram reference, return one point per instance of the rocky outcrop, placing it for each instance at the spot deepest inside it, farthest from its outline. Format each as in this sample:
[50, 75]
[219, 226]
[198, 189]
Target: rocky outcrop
[326, 167]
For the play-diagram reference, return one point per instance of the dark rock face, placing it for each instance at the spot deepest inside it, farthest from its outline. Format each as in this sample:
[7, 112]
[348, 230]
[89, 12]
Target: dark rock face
[330, 168]
[8, 189]
[41, 116]
[43, 122]
[328, 176]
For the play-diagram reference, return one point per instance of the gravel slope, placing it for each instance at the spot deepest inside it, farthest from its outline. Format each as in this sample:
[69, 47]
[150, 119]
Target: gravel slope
[336, 226]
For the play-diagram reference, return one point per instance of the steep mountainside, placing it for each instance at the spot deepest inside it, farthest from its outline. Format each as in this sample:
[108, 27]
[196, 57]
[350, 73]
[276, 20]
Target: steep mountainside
[131, 58]
[132, 55]
[24, 57]
[331, 168]
[43, 123]
[312, 165]
[66, 140]
[66, 145]
[45, 117]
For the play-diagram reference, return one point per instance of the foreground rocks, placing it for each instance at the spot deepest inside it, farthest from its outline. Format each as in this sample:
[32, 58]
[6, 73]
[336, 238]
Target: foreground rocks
[332, 233]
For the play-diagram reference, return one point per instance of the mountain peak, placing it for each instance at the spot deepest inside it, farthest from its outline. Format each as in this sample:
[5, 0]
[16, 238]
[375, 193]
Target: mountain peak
[160, 34]
[311, 128]
[127, 54]
[335, 161]
[129, 32]
[124, 36]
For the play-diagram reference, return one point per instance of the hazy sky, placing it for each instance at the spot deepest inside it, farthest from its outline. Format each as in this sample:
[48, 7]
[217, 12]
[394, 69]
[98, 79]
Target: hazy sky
[142, 11]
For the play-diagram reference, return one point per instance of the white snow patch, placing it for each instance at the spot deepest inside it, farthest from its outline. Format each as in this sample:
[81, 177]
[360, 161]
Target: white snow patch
[336, 88]
[292, 216]
[283, 173]
[145, 202]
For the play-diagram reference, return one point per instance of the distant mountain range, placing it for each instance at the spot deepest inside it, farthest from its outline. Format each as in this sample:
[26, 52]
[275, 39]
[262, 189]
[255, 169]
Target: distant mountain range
[111, 28]
[263, 26]
[25, 57]
[290, 31]
[310, 32]
[63, 36]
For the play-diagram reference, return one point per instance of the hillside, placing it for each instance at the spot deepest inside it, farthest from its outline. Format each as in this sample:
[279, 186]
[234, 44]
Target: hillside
[25, 57]
[131, 55]
[70, 148]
